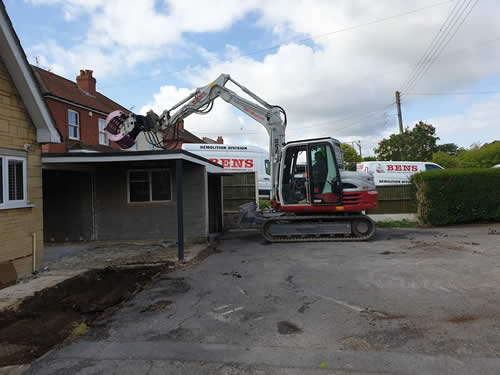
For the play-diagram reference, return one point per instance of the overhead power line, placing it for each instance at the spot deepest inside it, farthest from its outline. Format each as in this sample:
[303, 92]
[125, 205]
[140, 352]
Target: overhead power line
[446, 33]
[349, 117]
[352, 119]
[489, 92]
[348, 28]
[424, 58]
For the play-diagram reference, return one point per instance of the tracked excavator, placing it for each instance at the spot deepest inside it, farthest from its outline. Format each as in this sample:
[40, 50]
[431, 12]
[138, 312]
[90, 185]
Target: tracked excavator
[312, 197]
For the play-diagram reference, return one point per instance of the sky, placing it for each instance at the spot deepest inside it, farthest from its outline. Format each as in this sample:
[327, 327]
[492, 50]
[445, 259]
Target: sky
[333, 65]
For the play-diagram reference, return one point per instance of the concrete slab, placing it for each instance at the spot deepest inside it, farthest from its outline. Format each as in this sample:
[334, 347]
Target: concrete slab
[394, 217]
[13, 370]
[100, 254]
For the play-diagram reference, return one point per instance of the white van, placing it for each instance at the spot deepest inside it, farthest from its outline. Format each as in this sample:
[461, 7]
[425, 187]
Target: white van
[394, 172]
[237, 158]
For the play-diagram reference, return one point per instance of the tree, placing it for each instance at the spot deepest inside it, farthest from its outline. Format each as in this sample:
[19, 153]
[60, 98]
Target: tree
[417, 144]
[369, 158]
[351, 157]
[449, 148]
[445, 160]
[484, 156]
[476, 156]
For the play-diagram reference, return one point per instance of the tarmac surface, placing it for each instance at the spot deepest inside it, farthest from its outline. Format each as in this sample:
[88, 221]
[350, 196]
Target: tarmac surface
[411, 301]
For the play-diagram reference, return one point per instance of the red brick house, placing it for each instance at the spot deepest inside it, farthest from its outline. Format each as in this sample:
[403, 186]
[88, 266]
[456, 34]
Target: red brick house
[184, 136]
[78, 110]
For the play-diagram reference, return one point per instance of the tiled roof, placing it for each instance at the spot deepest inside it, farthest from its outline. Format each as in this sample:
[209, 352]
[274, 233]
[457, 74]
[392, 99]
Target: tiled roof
[185, 136]
[188, 137]
[209, 140]
[78, 145]
[52, 84]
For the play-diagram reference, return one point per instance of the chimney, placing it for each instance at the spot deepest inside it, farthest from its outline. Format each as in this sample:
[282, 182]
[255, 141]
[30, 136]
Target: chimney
[86, 82]
[220, 140]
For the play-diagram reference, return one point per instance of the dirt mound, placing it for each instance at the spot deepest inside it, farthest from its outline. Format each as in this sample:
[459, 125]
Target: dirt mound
[49, 317]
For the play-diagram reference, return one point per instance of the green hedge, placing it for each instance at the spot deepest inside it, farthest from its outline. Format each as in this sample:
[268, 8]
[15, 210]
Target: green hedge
[458, 195]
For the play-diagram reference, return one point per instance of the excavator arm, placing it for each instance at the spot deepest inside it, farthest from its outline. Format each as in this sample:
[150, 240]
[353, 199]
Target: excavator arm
[162, 131]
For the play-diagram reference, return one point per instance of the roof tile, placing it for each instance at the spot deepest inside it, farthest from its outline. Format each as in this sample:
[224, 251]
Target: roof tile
[52, 84]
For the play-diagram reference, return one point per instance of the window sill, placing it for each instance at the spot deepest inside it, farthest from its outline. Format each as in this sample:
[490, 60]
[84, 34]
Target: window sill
[15, 206]
[165, 203]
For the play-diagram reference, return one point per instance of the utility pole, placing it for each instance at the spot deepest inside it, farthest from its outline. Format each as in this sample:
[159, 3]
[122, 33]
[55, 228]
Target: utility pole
[359, 145]
[400, 118]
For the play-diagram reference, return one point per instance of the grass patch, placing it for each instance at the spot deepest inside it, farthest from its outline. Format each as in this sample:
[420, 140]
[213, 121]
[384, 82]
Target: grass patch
[80, 329]
[264, 203]
[397, 224]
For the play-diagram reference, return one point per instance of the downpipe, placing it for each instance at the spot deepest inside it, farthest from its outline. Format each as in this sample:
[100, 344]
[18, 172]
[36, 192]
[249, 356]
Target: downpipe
[33, 250]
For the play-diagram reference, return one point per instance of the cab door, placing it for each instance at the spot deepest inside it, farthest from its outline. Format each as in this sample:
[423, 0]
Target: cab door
[324, 184]
[294, 176]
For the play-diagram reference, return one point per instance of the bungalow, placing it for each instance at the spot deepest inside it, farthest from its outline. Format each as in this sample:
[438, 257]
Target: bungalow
[25, 124]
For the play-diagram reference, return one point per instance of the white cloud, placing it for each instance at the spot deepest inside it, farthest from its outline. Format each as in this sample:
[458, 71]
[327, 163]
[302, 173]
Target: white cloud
[478, 123]
[325, 80]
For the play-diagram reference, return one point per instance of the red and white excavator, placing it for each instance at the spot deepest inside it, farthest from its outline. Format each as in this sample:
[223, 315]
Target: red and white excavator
[312, 196]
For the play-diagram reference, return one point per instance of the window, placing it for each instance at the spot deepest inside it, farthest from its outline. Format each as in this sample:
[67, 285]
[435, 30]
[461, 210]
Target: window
[323, 171]
[267, 164]
[149, 186]
[12, 181]
[103, 140]
[74, 124]
[430, 167]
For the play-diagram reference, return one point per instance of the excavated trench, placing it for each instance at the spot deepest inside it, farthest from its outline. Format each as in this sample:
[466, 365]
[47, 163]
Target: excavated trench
[55, 314]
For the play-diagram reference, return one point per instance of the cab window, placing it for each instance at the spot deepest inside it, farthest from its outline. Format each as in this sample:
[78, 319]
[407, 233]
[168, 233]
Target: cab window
[267, 165]
[323, 171]
[430, 167]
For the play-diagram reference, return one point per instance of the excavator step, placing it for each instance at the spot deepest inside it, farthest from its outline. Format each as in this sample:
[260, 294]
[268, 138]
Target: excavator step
[318, 228]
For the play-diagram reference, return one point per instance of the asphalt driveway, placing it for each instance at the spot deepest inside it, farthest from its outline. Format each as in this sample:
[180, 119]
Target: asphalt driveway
[411, 301]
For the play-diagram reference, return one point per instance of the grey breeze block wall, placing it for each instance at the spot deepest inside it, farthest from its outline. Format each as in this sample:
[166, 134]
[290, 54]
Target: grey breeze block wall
[116, 219]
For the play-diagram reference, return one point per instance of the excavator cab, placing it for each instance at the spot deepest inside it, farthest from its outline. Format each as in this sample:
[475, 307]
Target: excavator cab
[309, 174]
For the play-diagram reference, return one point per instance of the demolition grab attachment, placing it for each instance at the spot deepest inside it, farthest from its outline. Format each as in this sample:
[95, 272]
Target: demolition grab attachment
[123, 128]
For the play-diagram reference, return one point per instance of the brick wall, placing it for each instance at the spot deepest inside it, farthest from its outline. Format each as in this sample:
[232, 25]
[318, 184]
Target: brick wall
[89, 126]
[17, 225]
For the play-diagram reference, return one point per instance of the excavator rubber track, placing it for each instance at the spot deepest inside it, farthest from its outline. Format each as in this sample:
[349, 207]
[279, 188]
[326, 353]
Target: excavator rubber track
[328, 228]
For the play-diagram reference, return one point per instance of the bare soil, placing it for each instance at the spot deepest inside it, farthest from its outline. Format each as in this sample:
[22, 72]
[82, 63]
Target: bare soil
[49, 317]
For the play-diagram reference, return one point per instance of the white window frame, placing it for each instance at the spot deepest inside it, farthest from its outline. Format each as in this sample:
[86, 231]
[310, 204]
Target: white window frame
[77, 126]
[4, 180]
[150, 185]
[102, 133]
